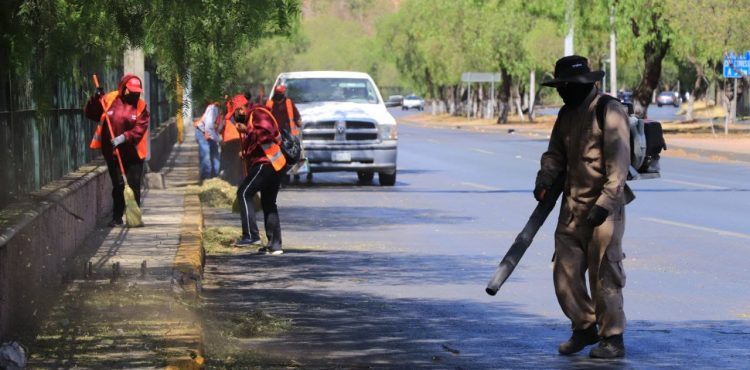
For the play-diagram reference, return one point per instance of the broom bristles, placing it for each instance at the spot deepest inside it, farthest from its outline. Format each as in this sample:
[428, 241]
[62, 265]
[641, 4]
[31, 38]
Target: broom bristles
[132, 211]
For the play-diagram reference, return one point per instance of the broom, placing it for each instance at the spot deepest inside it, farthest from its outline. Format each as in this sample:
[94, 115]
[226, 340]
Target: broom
[132, 211]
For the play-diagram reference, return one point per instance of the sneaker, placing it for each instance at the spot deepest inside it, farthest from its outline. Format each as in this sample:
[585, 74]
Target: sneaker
[579, 340]
[610, 347]
[115, 222]
[274, 252]
[246, 242]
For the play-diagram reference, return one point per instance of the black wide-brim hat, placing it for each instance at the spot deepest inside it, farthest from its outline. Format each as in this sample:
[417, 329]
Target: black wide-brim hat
[575, 69]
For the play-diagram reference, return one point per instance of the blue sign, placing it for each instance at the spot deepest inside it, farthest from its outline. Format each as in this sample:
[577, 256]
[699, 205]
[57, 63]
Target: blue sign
[737, 66]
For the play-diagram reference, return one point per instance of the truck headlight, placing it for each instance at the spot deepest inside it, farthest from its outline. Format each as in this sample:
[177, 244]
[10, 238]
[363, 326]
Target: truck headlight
[388, 132]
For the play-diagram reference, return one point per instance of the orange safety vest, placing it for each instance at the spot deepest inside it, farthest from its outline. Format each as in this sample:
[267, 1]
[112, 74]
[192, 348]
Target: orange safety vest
[96, 141]
[272, 149]
[230, 131]
[289, 113]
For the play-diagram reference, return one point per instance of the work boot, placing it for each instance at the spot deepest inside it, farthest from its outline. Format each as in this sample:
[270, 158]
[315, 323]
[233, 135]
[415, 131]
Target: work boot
[610, 347]
[579, 340]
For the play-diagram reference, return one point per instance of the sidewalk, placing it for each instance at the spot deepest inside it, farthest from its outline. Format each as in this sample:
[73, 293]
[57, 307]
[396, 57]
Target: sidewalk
[734, 147]
[128, 309]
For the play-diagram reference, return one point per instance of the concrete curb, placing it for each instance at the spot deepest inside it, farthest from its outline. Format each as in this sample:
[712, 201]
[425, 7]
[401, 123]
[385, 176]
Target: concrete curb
[187, 275]
[191, 256]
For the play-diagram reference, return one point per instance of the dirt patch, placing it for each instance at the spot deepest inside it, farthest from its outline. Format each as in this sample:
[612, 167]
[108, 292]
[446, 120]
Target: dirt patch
[702, 110]
[451, 120]
[101, 325]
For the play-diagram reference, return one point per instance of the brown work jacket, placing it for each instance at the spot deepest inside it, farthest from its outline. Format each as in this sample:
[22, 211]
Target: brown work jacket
[596, 158]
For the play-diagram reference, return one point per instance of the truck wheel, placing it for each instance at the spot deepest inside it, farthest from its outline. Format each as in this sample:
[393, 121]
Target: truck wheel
[365, 177]
[386, 179]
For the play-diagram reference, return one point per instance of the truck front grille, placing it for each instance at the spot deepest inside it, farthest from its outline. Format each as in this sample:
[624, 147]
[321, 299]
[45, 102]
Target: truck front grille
[340, 131]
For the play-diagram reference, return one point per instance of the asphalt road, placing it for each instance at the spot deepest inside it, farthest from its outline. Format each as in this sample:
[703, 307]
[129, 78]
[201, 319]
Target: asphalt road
[665, 113]
[394, 277]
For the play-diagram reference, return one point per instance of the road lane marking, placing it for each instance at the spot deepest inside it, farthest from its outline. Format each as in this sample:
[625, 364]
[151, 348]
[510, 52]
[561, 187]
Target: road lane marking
[697, 227]
[433, 141]
[526, 159]
[483, 151]
[696, 184]
[480, 186]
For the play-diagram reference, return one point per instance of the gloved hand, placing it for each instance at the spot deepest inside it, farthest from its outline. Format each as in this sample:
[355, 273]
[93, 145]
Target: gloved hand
[99, 93]
[597, 215]
[118, 140]
[539, 192]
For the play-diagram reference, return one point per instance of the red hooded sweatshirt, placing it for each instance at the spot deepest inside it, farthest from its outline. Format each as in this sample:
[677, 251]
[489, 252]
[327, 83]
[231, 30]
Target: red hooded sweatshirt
[124, 120]
[262, 131]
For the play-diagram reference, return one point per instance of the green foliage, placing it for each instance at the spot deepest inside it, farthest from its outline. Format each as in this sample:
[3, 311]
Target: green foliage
[49, 39]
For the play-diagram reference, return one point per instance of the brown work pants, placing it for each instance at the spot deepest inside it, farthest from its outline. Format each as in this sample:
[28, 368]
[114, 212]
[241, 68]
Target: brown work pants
[579, 248]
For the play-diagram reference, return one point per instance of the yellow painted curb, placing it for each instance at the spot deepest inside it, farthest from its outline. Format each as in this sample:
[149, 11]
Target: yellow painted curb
[187, 272]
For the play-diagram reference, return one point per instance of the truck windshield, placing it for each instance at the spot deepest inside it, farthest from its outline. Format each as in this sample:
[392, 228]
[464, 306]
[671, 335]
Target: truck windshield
[313, 90]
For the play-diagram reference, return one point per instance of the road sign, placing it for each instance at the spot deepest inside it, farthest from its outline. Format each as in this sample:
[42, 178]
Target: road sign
[737, 66]
[480, 77]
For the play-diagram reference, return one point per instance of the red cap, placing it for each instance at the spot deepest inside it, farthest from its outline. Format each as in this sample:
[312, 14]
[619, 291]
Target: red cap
[280, 89]
[238, 101]
[134, 85]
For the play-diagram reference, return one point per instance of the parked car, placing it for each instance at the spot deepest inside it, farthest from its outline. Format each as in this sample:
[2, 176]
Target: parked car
[345, 124]
[668, 98]
[413, 101]
[625, 96]
[394, 101]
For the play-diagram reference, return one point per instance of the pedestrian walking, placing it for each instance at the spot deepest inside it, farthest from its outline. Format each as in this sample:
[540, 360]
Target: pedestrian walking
[208, 141]
[129, 118]
[594, 156]
[265, 164]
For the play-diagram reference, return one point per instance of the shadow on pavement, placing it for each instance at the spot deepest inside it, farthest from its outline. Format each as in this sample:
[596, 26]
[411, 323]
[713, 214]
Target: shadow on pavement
[380, 310]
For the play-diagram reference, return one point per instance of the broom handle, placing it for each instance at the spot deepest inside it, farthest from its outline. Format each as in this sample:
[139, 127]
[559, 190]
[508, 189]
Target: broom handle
[111, 133]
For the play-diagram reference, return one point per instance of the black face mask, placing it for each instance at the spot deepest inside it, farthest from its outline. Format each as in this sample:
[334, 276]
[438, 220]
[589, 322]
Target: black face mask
[574, 94]
[239, 117]
[278, 97]
[131, 98]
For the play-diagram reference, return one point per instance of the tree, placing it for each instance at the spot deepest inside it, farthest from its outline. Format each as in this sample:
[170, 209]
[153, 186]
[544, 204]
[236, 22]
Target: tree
[704, 40]
[651, 36]
[50, 39]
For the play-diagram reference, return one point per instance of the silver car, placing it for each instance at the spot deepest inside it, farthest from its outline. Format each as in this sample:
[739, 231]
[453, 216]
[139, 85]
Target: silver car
[345, 124]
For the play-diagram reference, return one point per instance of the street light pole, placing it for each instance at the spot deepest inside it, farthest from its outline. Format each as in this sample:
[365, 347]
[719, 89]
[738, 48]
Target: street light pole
[612, 54]
[569, 20]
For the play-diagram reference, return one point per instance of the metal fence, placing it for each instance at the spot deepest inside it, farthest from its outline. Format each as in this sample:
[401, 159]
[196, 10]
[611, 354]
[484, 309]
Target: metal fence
[40, 146]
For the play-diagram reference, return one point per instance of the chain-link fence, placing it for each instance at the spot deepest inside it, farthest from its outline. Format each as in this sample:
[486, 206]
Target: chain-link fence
[40, 146]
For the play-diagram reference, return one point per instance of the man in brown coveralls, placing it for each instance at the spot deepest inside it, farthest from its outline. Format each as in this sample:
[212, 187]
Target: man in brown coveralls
[595, 158]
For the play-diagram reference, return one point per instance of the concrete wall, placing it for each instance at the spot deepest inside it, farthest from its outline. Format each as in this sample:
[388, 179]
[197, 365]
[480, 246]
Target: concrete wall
[162, 140]
[44, 236]
[39, 237]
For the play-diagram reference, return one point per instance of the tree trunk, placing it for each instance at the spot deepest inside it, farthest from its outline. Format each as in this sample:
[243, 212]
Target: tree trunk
[653, 54]
[532, 94]
[504, 95]
[699, 76]
[517, 95]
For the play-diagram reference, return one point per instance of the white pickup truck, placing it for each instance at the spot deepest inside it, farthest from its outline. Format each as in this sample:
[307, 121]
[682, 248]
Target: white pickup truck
[345, 124]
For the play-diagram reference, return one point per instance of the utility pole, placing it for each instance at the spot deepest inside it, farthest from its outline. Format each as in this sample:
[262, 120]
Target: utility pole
[612, 54]
[570, 21]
